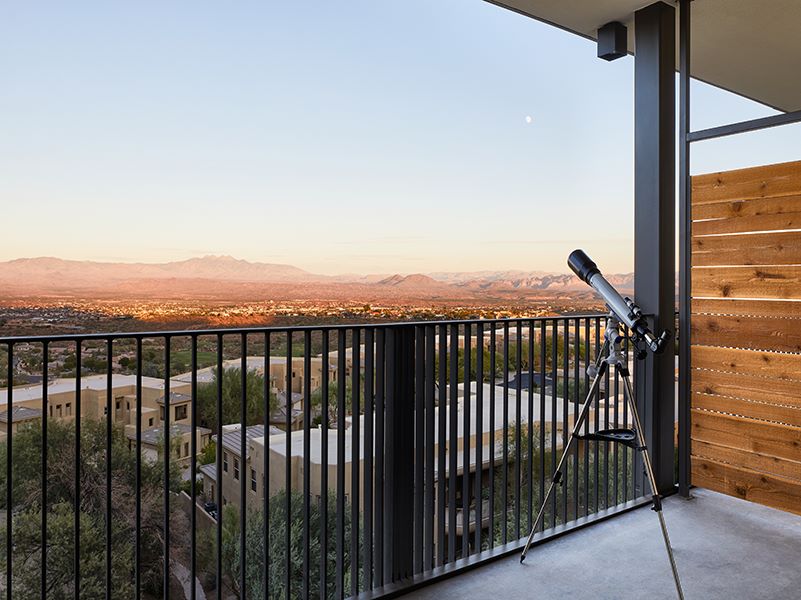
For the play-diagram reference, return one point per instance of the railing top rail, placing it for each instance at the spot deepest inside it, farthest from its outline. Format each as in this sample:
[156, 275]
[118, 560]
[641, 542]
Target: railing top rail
[134, 335]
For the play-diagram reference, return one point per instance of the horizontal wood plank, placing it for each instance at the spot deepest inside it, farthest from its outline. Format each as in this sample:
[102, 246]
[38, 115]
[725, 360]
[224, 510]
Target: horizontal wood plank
[782, 283]
[747, 208]
[746, 386]
[757, 462]
[750, 363]
[754, 182]
[778, 222]
[774, 413]
[771, 490]
[770, 439]
[731, 306]
[777, 248]
[755, 333]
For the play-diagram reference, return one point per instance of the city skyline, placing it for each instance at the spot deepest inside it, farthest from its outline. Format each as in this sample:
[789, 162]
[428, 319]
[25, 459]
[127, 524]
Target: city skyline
[360, 137]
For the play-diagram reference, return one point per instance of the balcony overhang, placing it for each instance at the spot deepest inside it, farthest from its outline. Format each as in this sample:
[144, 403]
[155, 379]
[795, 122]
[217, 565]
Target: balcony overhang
[750, 48]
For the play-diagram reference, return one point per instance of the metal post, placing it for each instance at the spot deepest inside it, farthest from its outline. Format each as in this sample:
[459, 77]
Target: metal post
[654, 218]
[400, 451]
[685, 249]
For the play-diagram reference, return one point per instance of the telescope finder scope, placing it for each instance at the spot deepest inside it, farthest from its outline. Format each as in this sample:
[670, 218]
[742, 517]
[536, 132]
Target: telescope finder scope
[624, 308]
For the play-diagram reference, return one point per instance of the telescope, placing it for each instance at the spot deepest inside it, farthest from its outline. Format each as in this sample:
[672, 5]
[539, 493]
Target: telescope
[625, 309]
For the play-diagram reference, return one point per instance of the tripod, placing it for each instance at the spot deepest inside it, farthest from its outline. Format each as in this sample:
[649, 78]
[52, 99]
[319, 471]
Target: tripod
[632, 438]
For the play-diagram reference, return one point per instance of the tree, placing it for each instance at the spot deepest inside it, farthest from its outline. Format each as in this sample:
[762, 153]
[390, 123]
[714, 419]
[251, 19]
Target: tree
[232, 398]
[333, 401]
[254, 548]
[27, 507]
[208, 455]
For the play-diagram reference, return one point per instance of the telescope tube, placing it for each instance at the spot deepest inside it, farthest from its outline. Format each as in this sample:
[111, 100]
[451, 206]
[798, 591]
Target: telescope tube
[625, 310]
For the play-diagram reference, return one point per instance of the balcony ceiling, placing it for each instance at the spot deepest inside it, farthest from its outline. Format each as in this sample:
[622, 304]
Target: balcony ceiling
[744, 46]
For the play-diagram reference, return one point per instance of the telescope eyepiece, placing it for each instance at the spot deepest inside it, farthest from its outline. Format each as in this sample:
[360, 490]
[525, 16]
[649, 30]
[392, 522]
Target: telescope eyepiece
[582, 265]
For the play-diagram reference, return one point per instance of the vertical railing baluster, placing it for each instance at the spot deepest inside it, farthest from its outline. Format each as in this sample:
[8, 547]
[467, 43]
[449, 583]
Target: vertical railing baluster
[419, 441]
[77, 515]
[341, 391]
[543, 349]
[287, 468]
[626, 424]
[138, 507]
[219, 466]
[466, 407]
[565, 410]
[369, 427]
[453, 439]
[109, 431]
[244, 466]
[554, 415]
[354, 467]
[193, 471]
[530, 449]
[380, 436]
[492, 357]
[326, 367]
[596, 423]
[615, 449]
[587, 420]
[606, 444]
[167, 456]
[479, 490]
[428, 548]
[9, 471]
[518, 424]
[45, 368]
[266, 466]
[306, 462]
[577, 399]
[505, 442]
[442, 443]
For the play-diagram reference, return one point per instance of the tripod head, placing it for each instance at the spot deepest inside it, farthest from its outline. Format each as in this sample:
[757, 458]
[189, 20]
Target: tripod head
[625, 309]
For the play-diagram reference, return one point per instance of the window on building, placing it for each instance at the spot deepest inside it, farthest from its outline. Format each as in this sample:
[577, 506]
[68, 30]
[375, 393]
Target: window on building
[117, 405]
[51, 410]
[150, 422]
[186, 448]
[236, 468]
[58, 409]
[127, 406]
[180, 412]
[253, 479]
[69, 409]
[225, 462]
[161, 413]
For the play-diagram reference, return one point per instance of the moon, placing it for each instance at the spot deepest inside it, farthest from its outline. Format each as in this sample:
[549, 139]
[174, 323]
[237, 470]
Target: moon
[529, 119]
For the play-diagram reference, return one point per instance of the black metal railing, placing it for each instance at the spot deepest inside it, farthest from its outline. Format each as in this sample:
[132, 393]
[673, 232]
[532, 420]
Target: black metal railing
[295, 462]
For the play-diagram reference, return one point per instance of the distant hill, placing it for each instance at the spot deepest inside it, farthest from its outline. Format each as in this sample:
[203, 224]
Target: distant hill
[56, 272]
[225, 277]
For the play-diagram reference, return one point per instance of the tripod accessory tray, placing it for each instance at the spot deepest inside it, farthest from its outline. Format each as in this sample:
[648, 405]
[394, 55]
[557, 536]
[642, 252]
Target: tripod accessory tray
[627, 437]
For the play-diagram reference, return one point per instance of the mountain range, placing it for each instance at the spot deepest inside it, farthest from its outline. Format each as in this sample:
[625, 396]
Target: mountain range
[225, 277]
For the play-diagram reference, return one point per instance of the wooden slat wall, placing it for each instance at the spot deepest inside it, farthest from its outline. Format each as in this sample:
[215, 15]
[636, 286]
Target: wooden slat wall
[746, 334]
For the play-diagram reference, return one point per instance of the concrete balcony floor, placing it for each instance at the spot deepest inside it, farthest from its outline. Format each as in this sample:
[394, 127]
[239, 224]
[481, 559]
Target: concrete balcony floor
[725, 548]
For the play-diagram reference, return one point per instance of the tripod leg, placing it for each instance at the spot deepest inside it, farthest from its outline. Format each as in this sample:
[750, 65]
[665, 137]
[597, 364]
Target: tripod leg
[657, 500]
[557, 476]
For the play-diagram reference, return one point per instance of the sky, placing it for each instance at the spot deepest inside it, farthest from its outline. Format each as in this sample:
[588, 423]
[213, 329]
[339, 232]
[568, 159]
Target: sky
[359, 136]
